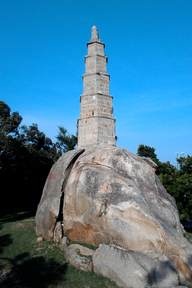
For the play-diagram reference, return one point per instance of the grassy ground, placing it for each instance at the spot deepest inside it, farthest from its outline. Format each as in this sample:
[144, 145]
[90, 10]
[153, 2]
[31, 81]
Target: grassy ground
[26, 263]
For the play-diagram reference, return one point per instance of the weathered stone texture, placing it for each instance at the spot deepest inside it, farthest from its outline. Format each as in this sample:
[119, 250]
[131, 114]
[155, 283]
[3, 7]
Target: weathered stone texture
[95, 83]
[96, 124]
[48, 208]
[95, 63]
[96, 130]
[80, 262]
[96, 48]
[114, 196]
[129, 268]
[96, 106]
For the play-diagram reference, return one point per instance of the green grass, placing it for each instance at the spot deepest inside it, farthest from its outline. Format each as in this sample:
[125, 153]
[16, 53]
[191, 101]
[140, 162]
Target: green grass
[188, 236]
[26, 263]
[84, 244]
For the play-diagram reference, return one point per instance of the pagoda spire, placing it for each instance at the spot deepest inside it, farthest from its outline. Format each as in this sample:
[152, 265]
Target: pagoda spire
[96, 124]
[94, 34]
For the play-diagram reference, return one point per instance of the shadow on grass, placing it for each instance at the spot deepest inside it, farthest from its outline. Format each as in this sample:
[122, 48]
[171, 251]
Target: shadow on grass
[5, 240]
[16, 216]
[33, 272]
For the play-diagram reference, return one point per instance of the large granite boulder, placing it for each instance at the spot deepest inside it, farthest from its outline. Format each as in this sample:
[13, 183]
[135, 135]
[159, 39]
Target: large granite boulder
[112, 196]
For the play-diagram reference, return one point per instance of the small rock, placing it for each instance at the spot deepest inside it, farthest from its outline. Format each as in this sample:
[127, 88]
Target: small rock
[83, 250]
[58, 232]
[183, 229]
[40, 239]
[4, 274]
[80, 262]
[63, 243]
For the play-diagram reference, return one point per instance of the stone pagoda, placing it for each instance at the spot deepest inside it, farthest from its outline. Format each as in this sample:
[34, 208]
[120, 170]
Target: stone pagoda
[96, 124]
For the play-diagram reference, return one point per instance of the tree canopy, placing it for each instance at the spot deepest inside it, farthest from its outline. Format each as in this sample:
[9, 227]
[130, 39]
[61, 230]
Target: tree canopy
[26, 156]
[147, 151]
[178, 182]
[67, 141]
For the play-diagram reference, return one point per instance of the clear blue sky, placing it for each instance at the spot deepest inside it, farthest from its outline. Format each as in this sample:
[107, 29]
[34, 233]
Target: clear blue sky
[149, 45]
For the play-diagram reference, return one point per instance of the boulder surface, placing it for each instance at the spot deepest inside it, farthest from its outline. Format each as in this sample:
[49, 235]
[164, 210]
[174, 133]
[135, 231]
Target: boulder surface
[79, 261]
[112, 196]
[49, 206]
[131, 268]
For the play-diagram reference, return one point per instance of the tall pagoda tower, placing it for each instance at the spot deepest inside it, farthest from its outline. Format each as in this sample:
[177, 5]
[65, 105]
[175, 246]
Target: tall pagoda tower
[96, 124]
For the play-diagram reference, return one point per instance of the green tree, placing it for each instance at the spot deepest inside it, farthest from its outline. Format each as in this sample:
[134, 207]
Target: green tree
[37, 143]
[183, 187]
[67, 141]
[178, 183]
[26, 156]
[147, 151]
[9, 124]
[185, 164]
